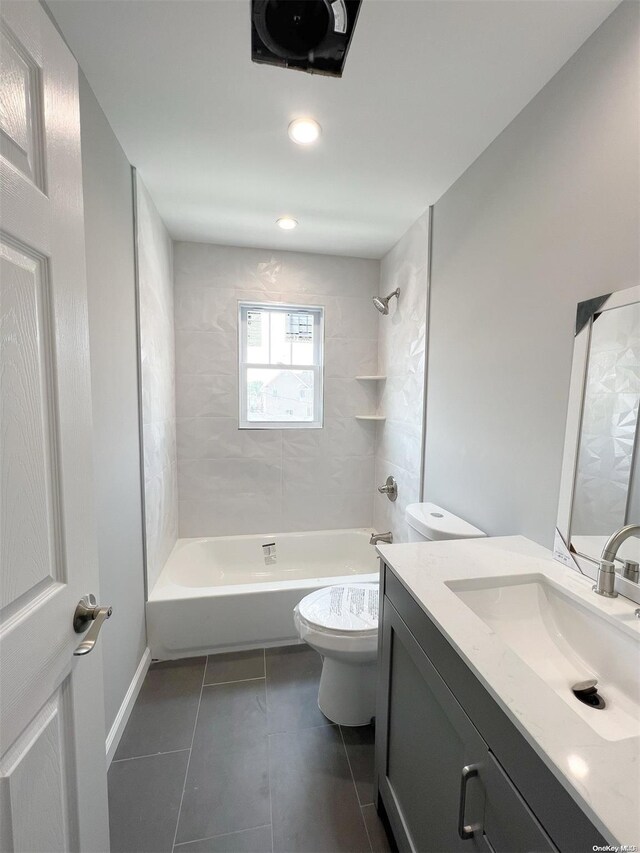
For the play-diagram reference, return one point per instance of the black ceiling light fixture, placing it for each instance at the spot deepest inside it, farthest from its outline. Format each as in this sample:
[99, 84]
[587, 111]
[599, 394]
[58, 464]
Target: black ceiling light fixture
[308, 35]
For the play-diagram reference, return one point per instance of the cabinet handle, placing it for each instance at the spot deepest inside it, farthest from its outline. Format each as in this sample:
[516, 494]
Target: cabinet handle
[466, 831]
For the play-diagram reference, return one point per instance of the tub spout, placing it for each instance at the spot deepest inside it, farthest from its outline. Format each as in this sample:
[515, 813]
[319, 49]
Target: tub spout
[381, 537]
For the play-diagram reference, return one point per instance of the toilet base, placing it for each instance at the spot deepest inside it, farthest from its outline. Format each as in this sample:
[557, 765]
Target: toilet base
[347, 693]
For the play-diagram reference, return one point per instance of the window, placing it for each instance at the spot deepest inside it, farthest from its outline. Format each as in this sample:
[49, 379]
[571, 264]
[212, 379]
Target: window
[280, 357]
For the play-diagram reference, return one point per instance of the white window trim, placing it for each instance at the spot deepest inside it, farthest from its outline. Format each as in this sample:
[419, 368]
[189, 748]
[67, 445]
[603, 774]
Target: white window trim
[317, 367]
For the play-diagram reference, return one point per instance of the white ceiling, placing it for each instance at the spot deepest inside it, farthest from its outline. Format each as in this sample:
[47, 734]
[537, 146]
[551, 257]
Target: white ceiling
[428, 84]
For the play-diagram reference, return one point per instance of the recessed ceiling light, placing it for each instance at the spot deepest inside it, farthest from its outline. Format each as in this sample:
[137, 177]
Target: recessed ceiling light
[304, 131]
[287, 223]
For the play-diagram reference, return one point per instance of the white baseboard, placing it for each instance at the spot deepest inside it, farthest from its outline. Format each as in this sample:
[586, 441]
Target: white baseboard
[115, 732]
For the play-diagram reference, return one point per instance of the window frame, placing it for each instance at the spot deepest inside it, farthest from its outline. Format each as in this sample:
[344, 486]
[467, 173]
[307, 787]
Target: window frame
[317, 368]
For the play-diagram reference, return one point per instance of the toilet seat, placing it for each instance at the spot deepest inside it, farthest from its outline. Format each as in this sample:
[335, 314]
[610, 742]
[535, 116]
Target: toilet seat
[347, 610]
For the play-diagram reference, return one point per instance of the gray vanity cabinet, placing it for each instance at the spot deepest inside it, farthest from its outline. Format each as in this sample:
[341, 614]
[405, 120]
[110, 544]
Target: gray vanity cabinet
[438, 777]
[430, 741]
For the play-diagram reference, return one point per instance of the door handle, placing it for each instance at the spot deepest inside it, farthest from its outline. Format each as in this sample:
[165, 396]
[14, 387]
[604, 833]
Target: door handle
[466, 831]
[86, 614]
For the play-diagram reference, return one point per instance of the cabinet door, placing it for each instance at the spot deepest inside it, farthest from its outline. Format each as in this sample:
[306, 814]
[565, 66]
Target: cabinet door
[442, 788]
[508, 823]
[428, 741]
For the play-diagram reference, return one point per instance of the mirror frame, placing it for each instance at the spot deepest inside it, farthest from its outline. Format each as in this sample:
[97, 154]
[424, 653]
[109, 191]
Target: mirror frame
[584, 323]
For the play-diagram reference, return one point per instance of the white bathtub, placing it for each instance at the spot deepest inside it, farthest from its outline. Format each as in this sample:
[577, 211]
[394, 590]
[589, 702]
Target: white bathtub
[231, 592]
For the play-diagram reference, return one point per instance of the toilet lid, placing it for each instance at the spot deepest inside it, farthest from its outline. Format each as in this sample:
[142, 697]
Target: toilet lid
[349, 607]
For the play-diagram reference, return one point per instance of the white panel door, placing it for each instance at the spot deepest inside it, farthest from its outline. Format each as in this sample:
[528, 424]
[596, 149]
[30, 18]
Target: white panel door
[52, 737]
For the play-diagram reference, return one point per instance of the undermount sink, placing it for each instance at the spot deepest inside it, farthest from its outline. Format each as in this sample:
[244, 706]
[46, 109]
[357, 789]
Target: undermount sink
[563, 642]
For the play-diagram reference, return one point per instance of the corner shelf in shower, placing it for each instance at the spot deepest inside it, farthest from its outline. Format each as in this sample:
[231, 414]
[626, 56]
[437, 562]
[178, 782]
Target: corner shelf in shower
[371, 378]
[370, 418]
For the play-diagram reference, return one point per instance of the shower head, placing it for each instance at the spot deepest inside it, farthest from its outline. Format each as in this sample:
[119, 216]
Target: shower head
[382, 302]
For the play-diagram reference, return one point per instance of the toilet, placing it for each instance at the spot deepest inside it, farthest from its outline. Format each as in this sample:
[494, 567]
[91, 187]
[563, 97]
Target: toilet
[341, 623]
[427, 521]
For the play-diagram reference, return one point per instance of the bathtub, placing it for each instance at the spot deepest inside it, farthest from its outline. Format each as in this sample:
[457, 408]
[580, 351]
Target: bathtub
[234, 592]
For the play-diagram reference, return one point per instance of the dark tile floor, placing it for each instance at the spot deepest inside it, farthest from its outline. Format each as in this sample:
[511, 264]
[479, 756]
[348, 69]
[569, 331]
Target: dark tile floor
[230, 754]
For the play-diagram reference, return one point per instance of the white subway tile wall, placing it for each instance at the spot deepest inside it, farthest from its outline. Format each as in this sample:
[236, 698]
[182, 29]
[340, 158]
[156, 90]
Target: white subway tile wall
[401, 358]
[155, 274]
[255, 481]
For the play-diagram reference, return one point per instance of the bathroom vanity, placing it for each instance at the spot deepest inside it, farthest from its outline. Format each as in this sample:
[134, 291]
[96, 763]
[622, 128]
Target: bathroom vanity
[480, 743]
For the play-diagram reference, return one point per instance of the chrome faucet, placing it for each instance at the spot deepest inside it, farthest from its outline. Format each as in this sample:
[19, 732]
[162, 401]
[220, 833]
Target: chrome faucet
[610, 550]
[381, 537]
[605, 581]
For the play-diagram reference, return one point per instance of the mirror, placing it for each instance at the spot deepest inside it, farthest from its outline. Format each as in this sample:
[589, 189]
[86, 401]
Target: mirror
[600, 487]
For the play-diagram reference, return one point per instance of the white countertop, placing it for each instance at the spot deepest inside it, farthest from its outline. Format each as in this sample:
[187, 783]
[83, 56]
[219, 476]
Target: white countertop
[602, 776]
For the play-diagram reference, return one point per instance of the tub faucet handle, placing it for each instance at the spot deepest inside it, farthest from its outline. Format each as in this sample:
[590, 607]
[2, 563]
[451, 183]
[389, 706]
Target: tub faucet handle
[390, 488]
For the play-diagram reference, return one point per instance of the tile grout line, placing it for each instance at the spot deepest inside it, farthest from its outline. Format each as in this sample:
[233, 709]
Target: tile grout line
[302, 729]
[223, 835]
[355, 788]
[266, 701]
[150, 755]
[186, 774]
[366, 828]
[235, 681]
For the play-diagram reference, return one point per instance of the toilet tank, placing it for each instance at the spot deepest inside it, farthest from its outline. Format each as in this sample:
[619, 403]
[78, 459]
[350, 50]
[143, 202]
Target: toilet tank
[428, 521]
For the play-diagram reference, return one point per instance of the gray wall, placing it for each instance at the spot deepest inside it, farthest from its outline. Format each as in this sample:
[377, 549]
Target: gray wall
[547, 216]
[157, 355]
[112, 328]
[401, 349]
[258, 481]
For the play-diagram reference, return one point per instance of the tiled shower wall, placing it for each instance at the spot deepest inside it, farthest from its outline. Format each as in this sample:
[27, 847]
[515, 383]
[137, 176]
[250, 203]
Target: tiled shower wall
[401, 356]
[234, 481]
[155, 282]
